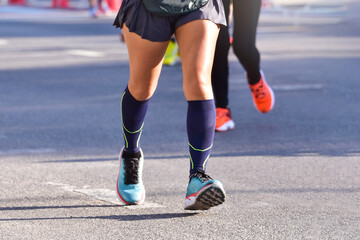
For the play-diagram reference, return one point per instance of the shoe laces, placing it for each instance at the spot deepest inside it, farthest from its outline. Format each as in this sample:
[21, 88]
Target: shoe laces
[131, 166]
[259, 90]
[222, 112]
[201, 175]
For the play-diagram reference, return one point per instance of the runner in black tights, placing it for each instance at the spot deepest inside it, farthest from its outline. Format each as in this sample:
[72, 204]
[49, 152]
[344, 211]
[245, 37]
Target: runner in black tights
[245, 21]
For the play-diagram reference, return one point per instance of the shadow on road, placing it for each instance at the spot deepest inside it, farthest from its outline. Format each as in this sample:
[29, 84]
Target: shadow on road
[22, 208]
[292, 153]
[111, 217]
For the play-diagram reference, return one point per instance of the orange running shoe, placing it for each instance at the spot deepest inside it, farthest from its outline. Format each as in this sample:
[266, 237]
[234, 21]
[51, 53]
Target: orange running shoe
[263, 95]
[223, 120]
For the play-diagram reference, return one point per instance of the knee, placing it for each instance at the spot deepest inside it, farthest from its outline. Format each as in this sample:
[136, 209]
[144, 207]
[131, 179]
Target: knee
[198, 87]
[141, 93]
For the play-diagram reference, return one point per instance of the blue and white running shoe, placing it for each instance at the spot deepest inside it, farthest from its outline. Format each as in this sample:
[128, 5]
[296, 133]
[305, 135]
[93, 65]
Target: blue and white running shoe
[130, 188]
[203, 192]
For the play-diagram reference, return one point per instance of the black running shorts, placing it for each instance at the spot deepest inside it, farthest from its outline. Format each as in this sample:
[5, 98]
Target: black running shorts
[133, 14]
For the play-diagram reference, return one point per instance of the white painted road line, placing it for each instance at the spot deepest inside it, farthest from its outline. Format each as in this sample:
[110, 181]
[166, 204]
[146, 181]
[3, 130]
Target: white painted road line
[292, 87]
[102, 194]
[297, 87]
[85, 53]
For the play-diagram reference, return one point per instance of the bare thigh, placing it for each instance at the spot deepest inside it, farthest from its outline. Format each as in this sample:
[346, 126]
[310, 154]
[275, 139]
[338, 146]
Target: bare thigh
[197, 41]
[145, 61]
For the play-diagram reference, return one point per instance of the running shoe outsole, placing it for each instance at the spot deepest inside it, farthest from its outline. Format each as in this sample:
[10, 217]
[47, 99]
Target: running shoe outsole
[209, 196]
[229, 125]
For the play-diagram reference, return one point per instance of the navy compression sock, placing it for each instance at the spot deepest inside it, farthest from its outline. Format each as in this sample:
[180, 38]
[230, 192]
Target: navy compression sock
[133, 114]
[201, 117]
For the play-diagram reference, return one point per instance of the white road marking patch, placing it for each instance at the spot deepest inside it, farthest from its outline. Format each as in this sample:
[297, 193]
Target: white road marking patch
[260, 204]
[102, 194]
[3, 42]
[85, 53]
[22, 151]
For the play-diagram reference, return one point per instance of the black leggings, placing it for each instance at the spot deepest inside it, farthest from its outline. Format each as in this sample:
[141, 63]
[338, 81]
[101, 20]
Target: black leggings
[245, 19]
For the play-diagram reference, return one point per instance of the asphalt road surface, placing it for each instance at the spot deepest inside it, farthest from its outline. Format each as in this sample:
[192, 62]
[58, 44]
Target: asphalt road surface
[289, 174]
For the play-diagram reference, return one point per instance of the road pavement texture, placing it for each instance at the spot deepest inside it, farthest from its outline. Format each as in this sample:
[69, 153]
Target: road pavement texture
[289, 174]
